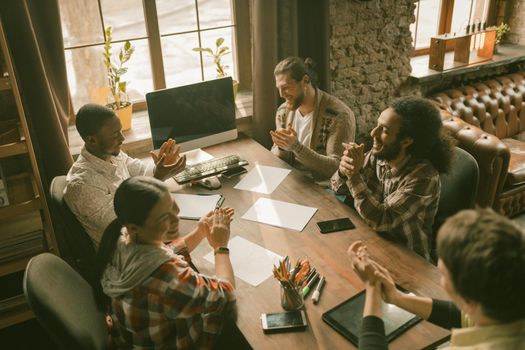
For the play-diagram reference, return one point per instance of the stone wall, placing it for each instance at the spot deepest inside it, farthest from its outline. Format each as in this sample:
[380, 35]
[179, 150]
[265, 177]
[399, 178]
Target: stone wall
[370, 50]
[515, 10]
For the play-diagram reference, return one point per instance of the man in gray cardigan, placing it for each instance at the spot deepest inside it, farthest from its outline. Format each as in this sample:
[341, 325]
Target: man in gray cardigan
[311, 125]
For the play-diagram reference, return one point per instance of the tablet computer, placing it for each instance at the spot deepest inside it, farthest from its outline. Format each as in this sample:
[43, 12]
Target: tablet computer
[346, 318]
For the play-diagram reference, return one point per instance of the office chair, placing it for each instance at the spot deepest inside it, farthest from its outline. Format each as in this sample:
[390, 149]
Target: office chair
[459, 188]
[78, 244]
[64, 304]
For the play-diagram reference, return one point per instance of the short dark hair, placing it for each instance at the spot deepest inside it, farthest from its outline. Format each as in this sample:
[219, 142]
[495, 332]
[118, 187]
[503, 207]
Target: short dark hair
[484, 253]
[421, 121]
[91, 117]
[297, 68]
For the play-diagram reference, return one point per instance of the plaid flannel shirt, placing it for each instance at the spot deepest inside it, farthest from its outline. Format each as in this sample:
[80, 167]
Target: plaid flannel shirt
[401, 203]
[174, 308]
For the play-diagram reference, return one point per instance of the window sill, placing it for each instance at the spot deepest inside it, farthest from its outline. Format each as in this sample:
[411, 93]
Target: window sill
[138, 138]
[422, 74]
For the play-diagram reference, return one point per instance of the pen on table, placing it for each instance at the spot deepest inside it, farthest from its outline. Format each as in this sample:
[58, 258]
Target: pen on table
[310, 284]
[309, 277]
[219, 202]
[318, 289]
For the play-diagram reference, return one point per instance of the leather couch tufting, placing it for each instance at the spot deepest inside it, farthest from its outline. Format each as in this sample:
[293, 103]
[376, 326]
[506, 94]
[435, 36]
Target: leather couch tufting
[488, 120]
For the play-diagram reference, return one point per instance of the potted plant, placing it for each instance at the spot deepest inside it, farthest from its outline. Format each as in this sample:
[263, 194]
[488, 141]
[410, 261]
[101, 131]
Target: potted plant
[121, 104]
[501, 30]
[220, 51]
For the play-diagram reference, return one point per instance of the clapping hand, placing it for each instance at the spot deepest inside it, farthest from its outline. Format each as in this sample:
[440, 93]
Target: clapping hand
[371, 272]
[352, 160]
[219, 227]
[361, 264]
[167, 161]
[284, 138]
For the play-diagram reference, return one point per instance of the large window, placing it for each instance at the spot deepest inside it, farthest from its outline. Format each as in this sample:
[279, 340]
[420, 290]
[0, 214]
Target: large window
[435, 17]
[163, 33]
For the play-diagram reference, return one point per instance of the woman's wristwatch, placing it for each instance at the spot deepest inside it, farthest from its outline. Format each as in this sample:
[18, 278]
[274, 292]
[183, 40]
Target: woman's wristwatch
[221, 250]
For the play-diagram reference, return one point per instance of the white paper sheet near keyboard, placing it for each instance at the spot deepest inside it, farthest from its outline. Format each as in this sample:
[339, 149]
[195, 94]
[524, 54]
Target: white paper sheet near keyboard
[196, 156]
[262, 179]
[281, 214]
[251, 262]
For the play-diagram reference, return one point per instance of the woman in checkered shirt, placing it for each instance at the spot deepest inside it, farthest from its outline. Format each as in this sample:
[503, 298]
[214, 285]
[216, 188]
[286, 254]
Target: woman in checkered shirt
[156, 299]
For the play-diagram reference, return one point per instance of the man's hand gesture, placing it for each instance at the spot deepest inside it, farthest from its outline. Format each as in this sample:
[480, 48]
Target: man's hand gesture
[352, 160]
[167, 161]
[284, 138]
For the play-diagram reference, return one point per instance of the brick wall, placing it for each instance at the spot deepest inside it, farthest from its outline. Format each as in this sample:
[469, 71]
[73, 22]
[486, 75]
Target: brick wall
[370, 49]
[515, 14]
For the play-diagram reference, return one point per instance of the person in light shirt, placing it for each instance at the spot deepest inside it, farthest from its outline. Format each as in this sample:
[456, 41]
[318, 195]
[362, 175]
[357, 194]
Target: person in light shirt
[102, 166]
[311, 125]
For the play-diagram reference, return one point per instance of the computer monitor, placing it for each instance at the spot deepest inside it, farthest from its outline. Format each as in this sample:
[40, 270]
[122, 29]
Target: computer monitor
[195, 115]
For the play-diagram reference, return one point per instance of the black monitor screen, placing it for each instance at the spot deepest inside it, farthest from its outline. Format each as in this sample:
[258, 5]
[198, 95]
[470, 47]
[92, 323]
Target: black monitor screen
[191, 112]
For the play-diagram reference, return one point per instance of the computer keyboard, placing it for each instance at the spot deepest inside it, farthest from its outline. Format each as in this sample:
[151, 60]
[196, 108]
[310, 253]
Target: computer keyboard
[209, 168]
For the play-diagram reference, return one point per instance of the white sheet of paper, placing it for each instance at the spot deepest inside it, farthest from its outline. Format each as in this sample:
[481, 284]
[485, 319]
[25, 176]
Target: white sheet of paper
[193, 206]
[263, 179]
[251, 262]
[196, 156]
[281, 214]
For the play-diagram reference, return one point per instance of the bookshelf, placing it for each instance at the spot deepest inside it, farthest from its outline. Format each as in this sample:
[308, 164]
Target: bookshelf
[25, 222]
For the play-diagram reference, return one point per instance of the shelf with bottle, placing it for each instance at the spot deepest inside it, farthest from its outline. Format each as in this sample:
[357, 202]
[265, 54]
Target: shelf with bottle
[474, 45]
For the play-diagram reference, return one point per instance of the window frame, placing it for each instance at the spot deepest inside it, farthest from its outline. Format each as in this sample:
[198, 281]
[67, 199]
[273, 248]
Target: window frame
[445, 23]
[241, 45]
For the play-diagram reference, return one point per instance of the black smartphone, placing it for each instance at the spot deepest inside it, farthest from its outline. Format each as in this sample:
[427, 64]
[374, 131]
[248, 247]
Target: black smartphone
[284, 321]
[335, 225]
[234, 172]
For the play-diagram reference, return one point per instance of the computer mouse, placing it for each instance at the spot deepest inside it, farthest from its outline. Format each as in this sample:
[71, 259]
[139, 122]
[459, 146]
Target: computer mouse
[211, 183]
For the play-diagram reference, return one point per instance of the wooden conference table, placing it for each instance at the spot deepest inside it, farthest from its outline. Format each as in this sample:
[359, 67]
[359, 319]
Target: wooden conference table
[326, 252]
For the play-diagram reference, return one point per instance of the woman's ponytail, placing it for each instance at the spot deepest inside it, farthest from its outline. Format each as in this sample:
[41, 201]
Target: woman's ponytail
[105, 253]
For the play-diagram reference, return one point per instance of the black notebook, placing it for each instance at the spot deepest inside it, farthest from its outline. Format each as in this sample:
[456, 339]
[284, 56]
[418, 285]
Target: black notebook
[346, 318]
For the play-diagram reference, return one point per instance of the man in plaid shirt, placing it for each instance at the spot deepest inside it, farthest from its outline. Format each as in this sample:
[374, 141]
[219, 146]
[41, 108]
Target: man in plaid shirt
[395, 187]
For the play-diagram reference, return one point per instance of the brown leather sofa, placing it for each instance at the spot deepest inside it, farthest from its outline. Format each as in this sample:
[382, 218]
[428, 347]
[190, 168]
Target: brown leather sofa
[488, 120]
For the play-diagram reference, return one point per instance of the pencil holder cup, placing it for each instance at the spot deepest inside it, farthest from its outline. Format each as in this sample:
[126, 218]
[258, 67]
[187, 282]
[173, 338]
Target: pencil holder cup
[291, 298]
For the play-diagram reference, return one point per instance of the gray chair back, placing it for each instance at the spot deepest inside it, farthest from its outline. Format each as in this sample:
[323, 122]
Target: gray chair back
[75, 241]
[459, 188]
[64, 304]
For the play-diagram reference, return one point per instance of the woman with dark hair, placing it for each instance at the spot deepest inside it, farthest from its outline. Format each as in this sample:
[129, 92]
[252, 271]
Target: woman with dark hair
[157, 300]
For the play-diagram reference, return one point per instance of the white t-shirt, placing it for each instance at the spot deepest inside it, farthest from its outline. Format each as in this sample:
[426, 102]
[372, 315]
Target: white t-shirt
[303, 126]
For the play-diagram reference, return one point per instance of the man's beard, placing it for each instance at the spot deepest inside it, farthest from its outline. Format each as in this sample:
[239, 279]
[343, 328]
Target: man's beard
[297, 102]
[389, 152]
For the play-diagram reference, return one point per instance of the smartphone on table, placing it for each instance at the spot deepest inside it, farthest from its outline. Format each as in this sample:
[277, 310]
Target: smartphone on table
[228, 174]
[284, 321]
[335, 225]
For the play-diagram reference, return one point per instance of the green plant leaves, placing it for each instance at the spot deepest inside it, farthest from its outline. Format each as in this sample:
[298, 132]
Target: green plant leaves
[220, 51]
[122, 86]
[223, 51]
[115, 71]
[200, 49]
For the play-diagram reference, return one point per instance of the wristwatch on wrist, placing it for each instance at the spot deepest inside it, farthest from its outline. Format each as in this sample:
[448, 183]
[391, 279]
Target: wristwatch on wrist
[221, 250]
